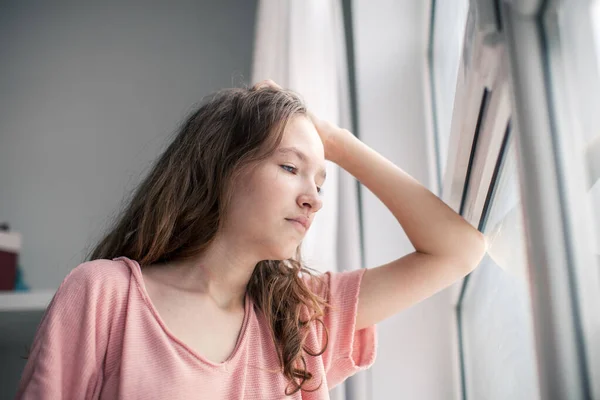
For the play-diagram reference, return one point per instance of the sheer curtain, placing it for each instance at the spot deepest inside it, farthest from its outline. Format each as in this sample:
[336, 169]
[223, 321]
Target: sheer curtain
[301, 46]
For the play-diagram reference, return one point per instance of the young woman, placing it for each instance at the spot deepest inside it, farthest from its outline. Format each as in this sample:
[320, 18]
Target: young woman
[199, 291]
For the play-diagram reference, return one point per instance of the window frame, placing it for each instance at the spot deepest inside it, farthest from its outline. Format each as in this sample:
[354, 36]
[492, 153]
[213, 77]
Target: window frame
[476, 143]
[573, 85]
[516, 79]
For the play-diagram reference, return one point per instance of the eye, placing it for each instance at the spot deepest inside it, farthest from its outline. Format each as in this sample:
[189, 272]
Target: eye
[291, 169]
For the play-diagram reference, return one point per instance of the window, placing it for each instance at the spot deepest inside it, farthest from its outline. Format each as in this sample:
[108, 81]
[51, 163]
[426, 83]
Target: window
[495, 309]
[572, 59]
[446, 45]
[543, 175]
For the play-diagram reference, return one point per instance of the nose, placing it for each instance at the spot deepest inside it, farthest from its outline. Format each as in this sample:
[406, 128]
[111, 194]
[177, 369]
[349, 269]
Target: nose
[310, 199]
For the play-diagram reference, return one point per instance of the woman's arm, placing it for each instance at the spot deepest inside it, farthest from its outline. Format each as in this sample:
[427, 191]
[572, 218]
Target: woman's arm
[447, 247]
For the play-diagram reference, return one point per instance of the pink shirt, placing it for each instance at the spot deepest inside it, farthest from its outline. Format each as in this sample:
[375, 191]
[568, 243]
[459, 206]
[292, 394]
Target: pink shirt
[101, 338]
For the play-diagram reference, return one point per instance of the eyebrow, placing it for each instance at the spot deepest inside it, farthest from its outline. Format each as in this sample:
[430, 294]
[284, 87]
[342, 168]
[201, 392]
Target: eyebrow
[301, 156]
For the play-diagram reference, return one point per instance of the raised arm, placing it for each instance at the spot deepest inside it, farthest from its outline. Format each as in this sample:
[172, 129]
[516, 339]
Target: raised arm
[447, 247]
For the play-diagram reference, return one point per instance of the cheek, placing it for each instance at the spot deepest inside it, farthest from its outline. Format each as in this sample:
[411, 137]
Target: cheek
[258, 200]
[265, 197]
[273, 187]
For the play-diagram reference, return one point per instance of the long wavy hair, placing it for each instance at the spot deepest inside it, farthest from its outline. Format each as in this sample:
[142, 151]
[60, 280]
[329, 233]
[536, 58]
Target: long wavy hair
[177, 210]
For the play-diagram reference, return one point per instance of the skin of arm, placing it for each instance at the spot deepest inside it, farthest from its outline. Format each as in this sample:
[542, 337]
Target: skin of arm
[447, 248]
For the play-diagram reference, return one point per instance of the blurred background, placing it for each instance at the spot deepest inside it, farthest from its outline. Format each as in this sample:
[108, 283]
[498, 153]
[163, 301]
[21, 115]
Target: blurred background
[492, 105]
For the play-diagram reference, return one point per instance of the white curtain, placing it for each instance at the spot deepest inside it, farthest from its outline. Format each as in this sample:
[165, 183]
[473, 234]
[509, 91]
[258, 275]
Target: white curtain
[300, 45]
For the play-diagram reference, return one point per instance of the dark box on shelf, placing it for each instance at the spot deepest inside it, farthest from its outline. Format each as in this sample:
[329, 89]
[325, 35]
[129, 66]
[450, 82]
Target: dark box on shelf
[10, 245]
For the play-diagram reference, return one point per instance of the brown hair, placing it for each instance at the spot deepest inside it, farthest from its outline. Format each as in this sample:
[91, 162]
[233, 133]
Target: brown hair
[176, 211]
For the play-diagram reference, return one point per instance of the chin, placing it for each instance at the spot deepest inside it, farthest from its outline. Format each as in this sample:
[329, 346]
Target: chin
[281, 248]
[284, 253]
[283, 257]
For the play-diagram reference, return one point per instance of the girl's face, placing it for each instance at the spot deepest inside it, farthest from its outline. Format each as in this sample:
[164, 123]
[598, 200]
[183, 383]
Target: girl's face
[283, 187]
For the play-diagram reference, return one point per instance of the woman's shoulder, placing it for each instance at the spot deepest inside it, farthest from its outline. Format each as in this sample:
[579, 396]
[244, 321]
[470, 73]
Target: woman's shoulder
[100, 276]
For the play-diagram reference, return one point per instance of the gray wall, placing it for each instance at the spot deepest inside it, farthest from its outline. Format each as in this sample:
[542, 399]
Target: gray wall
[89, 94]
[414, 358]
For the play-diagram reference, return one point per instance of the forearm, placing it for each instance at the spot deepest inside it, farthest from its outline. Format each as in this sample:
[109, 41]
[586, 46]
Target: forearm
[431, 226]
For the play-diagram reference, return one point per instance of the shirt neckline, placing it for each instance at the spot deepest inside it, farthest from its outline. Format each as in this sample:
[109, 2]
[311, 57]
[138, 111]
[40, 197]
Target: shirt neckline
[137, 272]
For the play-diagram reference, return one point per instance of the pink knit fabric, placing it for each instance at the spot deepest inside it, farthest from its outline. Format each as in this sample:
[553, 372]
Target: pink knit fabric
[101, 338]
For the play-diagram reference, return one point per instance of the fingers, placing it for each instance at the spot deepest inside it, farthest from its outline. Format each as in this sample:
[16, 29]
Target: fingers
[266, 83]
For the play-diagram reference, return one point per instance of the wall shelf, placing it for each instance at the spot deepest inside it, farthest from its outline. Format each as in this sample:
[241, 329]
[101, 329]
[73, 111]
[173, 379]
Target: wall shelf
[20, 314]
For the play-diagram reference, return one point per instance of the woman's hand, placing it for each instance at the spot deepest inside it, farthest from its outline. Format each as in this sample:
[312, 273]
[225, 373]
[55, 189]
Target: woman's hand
[331, 135]
[266, 83]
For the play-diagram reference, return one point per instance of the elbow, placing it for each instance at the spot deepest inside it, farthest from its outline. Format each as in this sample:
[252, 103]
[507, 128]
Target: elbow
[472, 251]
[467, 252]
[476, 250]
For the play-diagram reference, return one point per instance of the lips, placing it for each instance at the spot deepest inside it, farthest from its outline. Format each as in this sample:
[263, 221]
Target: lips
[302, 221]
